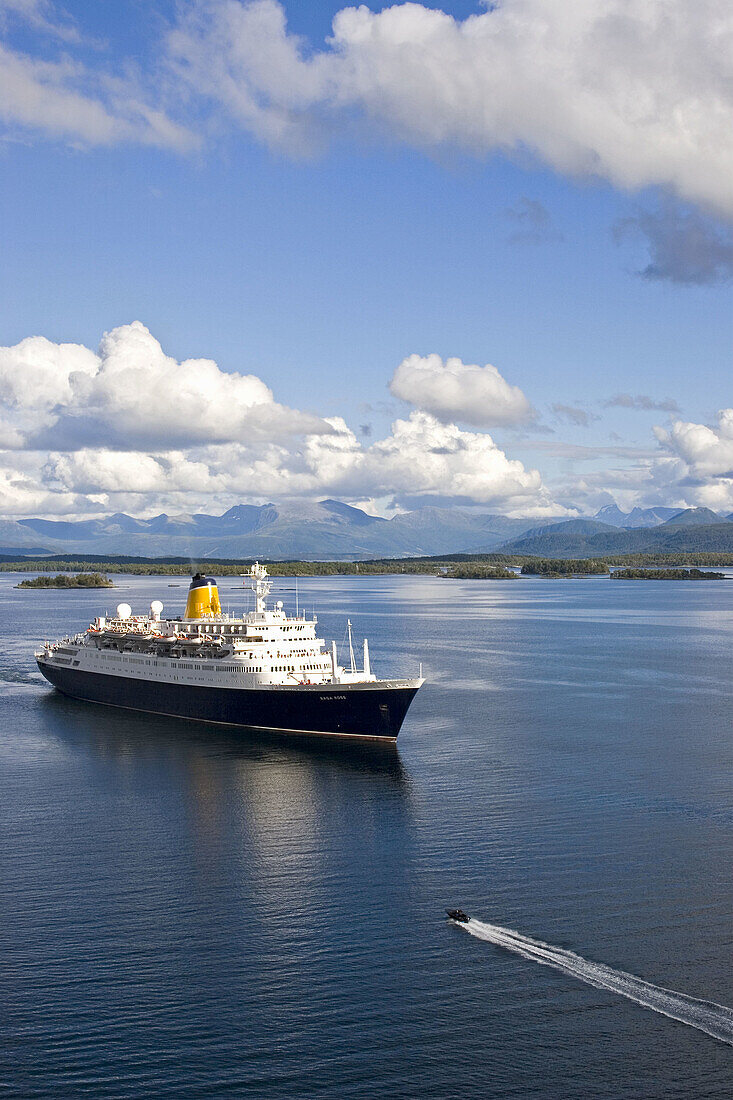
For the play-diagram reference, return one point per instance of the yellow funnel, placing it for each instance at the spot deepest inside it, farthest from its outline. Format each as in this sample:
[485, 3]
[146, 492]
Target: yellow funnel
[203, 598]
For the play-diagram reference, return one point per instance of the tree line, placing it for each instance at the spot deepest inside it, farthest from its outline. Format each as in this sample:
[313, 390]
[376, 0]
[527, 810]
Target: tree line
[453, 565]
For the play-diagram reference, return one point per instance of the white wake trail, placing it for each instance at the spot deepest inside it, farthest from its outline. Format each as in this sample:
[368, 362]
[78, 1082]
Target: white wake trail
[708, 1016]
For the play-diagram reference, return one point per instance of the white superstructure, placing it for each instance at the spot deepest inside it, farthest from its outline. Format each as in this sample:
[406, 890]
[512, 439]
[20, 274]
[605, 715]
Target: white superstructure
[260, 648]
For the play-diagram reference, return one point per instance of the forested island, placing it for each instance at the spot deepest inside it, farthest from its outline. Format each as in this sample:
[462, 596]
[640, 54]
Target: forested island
[666, 575]
[564, 567]
[67, 580]
[480, 573]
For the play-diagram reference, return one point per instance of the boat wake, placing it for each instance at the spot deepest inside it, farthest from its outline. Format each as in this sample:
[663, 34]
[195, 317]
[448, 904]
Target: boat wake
[708, 1016]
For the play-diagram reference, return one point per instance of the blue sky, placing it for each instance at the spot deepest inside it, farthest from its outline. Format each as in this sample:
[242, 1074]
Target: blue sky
[320, 262]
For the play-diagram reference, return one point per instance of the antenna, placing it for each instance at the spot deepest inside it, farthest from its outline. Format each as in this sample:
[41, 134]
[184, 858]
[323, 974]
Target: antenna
[296, 595]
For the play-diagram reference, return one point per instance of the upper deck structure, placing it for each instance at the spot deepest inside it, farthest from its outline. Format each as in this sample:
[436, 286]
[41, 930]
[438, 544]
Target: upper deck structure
[262, 669]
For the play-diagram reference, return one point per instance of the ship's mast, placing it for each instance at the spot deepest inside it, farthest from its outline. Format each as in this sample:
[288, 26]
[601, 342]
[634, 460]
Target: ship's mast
[260, 585]
[351, 648]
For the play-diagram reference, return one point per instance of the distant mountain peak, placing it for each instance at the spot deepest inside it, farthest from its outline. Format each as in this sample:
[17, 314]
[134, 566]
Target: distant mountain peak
[348, 511]
[611, 513]
[637, 517]
[237, 511]
[690, 516]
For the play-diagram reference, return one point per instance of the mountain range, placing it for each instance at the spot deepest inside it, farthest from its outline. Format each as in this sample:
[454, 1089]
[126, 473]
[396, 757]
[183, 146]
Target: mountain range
[694, 529]
[332, 530]
[328, 530]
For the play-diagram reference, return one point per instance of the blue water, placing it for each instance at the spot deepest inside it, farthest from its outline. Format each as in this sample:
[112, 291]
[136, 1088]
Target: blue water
[189, 913]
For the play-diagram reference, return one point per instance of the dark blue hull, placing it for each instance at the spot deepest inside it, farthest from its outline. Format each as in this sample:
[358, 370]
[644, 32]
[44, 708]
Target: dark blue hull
[374, 711]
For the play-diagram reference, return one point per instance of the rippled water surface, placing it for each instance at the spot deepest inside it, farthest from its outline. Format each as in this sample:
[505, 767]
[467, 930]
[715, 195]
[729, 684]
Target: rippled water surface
[191, 913]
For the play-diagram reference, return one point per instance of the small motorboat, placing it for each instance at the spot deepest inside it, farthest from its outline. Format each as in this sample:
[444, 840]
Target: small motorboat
[458, 915]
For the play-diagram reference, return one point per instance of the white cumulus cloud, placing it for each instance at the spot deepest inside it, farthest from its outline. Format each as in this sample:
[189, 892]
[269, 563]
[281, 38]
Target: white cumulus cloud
[130, 394]
[421, 458]
[639, 92]
[424, 457]
[35, 377]
[706, 452]
[453, 390]
[693, 468]
[129, 428]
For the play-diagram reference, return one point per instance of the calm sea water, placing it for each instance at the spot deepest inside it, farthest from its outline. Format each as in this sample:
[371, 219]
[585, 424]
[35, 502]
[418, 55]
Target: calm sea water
[191, 913]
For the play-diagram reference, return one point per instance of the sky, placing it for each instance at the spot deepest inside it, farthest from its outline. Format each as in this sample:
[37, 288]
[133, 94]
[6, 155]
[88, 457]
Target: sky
[437, 253]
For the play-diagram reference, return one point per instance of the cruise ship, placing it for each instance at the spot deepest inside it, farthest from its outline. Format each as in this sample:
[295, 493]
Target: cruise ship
[261, 670]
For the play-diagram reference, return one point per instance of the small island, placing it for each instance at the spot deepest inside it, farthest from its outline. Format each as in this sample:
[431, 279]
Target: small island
[472, 572]
[564, 567]
[67, 580]
[666, 575]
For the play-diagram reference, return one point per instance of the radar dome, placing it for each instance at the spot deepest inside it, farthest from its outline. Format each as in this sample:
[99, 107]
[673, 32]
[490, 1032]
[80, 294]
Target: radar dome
[124, 611]
[156, 608]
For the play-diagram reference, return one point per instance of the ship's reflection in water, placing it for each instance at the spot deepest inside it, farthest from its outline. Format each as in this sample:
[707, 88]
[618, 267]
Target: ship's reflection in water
[272, 824]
